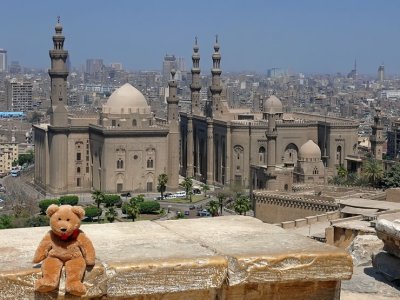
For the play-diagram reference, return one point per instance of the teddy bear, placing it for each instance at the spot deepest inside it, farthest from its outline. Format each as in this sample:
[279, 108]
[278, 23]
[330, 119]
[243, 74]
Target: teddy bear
[64, 245]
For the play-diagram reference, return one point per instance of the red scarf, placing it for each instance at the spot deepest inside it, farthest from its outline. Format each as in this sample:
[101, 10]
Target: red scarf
[66, 237]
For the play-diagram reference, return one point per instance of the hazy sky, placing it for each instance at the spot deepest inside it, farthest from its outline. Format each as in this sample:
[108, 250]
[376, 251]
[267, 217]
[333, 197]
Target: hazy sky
[317, 36]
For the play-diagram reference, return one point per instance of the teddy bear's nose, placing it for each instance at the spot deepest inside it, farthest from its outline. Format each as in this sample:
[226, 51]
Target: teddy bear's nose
[63, 229]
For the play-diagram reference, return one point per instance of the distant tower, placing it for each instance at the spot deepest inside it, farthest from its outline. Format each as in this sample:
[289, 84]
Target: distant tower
[195, 86]
[58, 76]
[173, 135]
[376, 138]
[381, 73]
[3, 60]
[215, 88]
[169, 64]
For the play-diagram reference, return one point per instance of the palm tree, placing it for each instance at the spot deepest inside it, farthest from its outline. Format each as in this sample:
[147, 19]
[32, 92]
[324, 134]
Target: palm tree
[111, 214]
[98, 197]
[341, 171]
[205, 187]
[372, 170]
[213, 208]
[242, 205]
[133, 209]
[162, 184]
[222, 195]
[188, 184]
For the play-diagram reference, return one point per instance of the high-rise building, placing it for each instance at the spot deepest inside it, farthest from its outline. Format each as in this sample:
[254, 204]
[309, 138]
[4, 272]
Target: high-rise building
[169, 63]
[116, 66]
[3, 60]
[381, 73]
[19, 95]
[94, 65]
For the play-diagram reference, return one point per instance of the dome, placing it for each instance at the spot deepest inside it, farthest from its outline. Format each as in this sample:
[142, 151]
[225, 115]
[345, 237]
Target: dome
[125, 100]
[309, 150]
[273, 105]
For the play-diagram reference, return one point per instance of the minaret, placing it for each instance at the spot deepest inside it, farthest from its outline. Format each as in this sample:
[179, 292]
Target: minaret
[215, 87]
[173, 135]
[58, 75]
[195, 86]
[376, 138]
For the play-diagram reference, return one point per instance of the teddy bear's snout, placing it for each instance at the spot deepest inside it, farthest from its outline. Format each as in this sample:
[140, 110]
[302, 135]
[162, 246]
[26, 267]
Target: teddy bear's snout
[63, 229]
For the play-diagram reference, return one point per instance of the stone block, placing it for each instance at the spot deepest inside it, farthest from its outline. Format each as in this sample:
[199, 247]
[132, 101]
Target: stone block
[301, 222]
[311, 219]
[288, 224]
[322, 218]
[363, 247]
[389, 233]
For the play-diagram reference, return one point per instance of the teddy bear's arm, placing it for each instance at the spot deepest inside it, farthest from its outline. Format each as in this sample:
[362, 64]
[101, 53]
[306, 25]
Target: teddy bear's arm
[87, 249]
[43, 249]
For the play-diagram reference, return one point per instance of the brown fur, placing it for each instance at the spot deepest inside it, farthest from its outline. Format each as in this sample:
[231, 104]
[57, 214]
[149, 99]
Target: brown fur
[75, 253]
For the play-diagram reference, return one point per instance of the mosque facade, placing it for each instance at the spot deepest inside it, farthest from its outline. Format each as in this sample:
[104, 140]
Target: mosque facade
[124, 148]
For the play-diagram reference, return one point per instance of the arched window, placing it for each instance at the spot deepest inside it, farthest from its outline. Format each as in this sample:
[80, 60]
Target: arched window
[290, 154]
[261, 154]
[120, 164]
[339, 155]
[150, 163]
[315, 171]
[78, 170]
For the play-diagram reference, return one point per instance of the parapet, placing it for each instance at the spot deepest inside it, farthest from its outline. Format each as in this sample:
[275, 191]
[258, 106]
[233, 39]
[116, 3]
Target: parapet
[232, 257]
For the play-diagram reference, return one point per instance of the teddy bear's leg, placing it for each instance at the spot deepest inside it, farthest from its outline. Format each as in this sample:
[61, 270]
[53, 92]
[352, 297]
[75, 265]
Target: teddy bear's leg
[75, 268]
[51, 270]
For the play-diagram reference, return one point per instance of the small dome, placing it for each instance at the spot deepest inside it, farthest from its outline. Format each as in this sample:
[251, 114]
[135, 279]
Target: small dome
[309, 150]
[126, 99]
[273, 105]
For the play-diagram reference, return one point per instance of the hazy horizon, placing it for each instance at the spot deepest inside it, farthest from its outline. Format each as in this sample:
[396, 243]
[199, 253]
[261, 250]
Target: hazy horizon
[300, 36]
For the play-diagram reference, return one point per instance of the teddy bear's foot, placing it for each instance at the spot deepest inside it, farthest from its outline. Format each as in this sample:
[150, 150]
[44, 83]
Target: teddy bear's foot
[76, 288]
[43, 285]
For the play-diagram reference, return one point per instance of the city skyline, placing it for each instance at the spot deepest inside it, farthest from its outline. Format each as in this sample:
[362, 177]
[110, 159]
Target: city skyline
[306, 36]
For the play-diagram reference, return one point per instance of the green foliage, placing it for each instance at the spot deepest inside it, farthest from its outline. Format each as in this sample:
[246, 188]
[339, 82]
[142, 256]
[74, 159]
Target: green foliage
[221, 196]
[341, 171]
[44, 204]
[111, 214]
[37, 221]
[242, 204]
[112, 200]
[149, 207]
[92, 211]
[98, 197]
[180, 215]
[26, 158]
[213, 207]
[372, 170]
[391, 178]
[5, 221]
[205, 187]
[137, 199]
[162, 184]
[69, 199]
[133, 210]
[124, 208]
[188, 184]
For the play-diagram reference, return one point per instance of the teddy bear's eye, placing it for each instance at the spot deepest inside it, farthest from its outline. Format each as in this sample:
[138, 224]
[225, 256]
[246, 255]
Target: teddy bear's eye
[59, 219]
[67, 220]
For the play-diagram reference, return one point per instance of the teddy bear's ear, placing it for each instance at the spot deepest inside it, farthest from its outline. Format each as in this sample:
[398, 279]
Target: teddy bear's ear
[52, 209]
[79, 211]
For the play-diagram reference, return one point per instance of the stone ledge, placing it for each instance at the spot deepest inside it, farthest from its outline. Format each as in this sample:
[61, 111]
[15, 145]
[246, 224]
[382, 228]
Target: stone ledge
[191, 259]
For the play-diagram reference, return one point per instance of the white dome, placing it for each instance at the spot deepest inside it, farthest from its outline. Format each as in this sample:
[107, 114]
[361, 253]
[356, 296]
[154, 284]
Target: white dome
[273, 105]
[125, 100]
[309, 150]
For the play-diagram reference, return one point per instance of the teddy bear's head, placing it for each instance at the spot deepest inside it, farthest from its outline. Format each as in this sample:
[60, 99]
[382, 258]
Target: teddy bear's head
[65, 219]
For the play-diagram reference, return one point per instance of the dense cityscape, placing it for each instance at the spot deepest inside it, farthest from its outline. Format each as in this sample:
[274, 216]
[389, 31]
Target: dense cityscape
[261, 173]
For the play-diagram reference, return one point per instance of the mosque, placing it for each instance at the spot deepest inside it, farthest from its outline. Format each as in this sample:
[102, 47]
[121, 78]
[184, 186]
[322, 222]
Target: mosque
[125, 148]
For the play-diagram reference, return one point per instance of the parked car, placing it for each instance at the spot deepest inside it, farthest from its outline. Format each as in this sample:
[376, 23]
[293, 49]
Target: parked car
[126, 194]
[181, 194]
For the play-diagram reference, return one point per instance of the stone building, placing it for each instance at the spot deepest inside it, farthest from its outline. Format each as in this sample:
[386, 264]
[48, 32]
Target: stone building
[124, 148]
[225, 146]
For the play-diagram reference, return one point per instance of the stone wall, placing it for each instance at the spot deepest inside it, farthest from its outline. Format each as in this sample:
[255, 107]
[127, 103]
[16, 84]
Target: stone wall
[233, 258]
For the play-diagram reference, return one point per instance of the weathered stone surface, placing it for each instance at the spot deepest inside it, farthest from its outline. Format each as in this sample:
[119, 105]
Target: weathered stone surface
[213, 258]
[389, 233]
[362, 248]
[387, 264]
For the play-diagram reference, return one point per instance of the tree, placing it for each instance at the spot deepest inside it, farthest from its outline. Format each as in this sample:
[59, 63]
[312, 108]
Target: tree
[133, 209]
[111, 214]
[372, 170]
[188, 184]
[45, 203]
[205, 187]
[162, 184]
[392, 177]
[98, 197]
[149, 207]
[69, 199]
[213, 207]
[221, 196]
[242, 205]
[92, 211]
[341, 171]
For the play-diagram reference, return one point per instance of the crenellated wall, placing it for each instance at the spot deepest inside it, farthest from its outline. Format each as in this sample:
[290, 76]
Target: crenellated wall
[276, 208]
[219, 258]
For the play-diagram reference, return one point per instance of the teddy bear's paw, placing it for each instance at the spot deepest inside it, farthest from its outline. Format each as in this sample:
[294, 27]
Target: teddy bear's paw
[43, 286]
[76, 288]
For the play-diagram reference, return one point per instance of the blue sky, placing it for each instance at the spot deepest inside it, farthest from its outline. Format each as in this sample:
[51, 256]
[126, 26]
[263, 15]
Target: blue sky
[312, 36]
